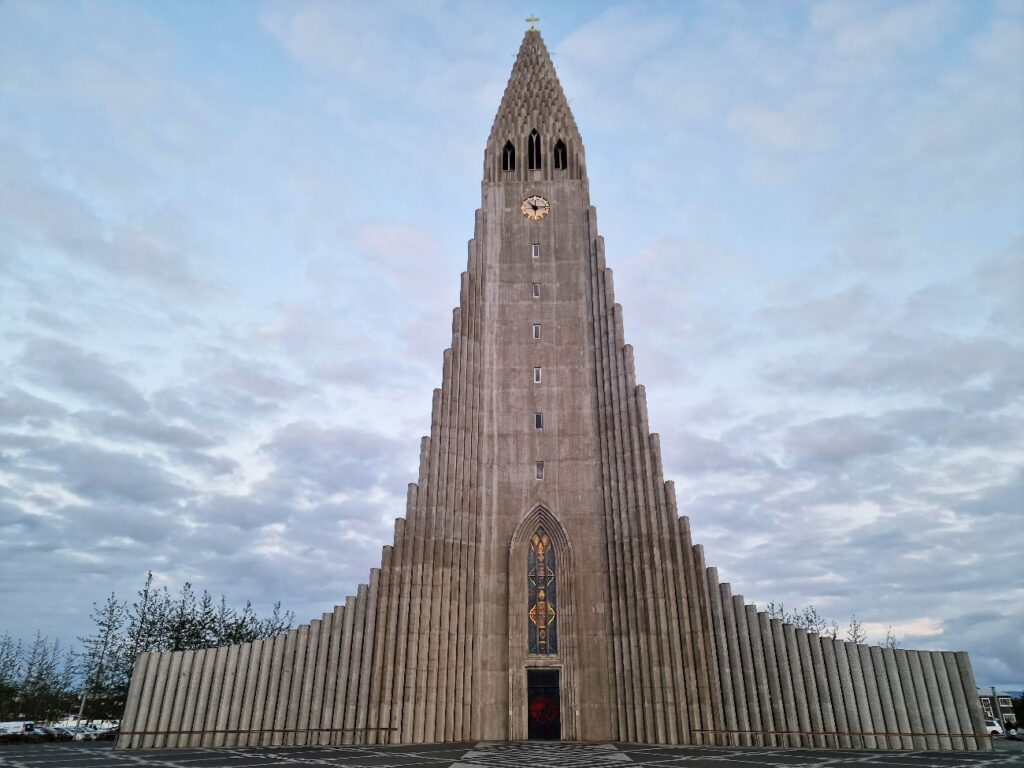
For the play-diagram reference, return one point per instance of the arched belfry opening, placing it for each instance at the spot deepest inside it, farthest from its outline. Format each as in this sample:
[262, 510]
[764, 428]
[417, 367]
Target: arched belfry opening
[508, 157]
[533, 151]
[542, 634]
[561, 158]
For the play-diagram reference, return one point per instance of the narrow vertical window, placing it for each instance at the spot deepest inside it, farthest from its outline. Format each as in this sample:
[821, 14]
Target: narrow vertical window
[542, 605]
[508, 157]
[536, 375]
[538, 421]
[539, 470]
[536, 290]
[533, 151]
[535, 250]
[560, 156]
[536, 330]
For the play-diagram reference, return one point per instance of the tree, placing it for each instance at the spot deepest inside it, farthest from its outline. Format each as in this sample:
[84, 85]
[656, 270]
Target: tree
[100, 669]
[154, 622]
[805, 618]
[855, 632]
[890, 640]
[11, 652]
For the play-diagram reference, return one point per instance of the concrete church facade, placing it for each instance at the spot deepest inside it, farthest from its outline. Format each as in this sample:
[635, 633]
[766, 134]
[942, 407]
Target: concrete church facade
[542, 583]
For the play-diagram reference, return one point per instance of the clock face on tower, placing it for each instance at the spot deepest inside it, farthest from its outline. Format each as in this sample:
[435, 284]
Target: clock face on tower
[535, 207]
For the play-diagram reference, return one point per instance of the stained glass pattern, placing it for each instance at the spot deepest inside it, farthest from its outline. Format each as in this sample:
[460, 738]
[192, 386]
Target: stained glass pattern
[542, 614]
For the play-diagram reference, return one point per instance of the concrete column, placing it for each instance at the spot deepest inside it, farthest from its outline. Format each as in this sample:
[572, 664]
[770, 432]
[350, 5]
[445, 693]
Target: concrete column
[316, 710]
[238, 694]
[355, 665]
[284, 689]
[627, 671]
[810, 686]
[156, 685]
[226, 694]
[273, 689]
[935, 700]
[253, 694]
[753, 705]
[786, 681]
[885, 697]
[369, 633]
[373, 713]
[736, 666]
[948, 702]
[166, 703]
[180, 697]
[704, 639]
[390, 634]
[860, 696]
[924, 707]
[294, 697]
[131, 719]
[771, 665]
[976, 719]
[724, 666]
[345, 674]
[899, 700]
[836, 691]
[796, 674]
[305, 698]
[760, 677]
[874, 699]
[963, 716]
[908, 684]
[188, 712]
[821, 681]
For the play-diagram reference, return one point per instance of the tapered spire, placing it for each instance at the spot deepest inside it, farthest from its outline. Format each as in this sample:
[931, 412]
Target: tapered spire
[534, 101]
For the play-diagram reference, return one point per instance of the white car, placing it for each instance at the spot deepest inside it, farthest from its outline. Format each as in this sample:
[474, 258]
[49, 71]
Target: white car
[993, 727]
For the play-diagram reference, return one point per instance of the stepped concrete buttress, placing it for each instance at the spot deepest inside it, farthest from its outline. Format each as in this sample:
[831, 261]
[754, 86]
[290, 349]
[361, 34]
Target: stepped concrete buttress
[647, 644]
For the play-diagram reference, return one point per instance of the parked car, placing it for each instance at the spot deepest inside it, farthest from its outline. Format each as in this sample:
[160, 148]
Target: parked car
[994, 728]
[17, 726]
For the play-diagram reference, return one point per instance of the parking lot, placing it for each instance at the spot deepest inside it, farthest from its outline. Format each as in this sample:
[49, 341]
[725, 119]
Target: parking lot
[490, 755]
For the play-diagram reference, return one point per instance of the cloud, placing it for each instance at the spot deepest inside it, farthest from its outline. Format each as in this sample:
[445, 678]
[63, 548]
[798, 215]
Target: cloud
[18, 405]
[146, 429]
[326, 461]
[61, 366]
[102, 475]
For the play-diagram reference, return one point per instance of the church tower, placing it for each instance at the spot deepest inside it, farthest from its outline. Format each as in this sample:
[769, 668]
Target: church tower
[542, 583]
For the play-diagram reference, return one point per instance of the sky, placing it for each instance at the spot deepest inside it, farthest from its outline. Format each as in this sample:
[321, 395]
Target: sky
[230, 242]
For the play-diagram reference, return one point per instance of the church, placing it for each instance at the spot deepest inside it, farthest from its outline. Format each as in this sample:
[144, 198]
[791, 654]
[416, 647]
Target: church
[542, 584]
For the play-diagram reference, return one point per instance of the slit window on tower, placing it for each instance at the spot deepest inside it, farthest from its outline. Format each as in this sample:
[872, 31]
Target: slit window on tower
[538, 470]
[508, 157]
[535, 250]
[560, 156]
[533, 151]
[536, 375]
[536, 290]
[536, 330]
[538, 421]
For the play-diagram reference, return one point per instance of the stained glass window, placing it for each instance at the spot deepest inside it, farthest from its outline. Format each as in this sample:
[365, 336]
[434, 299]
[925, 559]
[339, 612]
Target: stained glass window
[543, 595]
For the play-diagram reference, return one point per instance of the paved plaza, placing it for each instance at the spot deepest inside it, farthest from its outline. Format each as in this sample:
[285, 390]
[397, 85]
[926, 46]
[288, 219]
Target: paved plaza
[491, 755]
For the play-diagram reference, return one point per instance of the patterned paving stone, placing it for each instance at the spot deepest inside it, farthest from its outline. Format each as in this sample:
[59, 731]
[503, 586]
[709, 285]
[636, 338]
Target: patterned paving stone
[492, 755]
[542, 755]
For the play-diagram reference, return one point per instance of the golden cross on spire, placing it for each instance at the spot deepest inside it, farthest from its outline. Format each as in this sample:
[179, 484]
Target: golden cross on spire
[531, 20]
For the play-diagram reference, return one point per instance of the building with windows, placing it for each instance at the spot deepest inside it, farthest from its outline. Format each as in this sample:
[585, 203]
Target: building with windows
[542, 583]
[998, 705]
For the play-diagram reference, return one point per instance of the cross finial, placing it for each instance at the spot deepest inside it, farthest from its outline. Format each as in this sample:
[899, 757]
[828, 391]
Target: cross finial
[531, 20]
